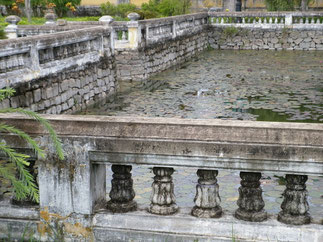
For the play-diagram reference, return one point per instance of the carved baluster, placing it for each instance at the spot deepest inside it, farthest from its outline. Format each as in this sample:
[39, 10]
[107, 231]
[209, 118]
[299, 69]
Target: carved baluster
[122, 193]
[222, 20]
[250, 200]
[123, 35]
[254, 20]
[162, 196]
[265, 20]
[295, 206]
[270, 20]
[217, 20]
[243, 20]
[307, 21]
[207, 199]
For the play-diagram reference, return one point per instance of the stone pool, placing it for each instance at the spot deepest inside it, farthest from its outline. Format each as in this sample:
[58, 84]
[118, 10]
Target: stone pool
[285, 86]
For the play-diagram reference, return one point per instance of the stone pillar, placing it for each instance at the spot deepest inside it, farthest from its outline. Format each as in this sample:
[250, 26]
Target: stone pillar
[162, 196]
[133, 30]
[250, 200]
[295, 206]
[122, 193]
[207, 199]
[11, 29]
[50, 18]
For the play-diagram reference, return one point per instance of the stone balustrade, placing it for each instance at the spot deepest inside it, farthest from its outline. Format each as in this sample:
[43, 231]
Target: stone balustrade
[297, 20]
[77, 186]
[40, 56]
[164, 29]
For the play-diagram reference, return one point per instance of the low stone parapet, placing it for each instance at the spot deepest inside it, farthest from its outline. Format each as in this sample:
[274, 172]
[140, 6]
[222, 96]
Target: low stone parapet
[74, 190]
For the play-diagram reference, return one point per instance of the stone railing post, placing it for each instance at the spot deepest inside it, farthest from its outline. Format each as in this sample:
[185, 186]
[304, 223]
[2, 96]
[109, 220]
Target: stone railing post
[34, 57]
[122, 193]
[11, 29]
[174, 29]
[107, 21]
[250, 200]
[289, 19]
[162, 196]
[50, 18]
[207, 199]
[295, 206]
[133, 30]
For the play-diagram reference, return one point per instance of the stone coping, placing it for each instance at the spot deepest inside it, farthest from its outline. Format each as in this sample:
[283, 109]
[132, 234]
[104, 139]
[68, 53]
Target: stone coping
[191, 129]
[266, 14]
[47, 40]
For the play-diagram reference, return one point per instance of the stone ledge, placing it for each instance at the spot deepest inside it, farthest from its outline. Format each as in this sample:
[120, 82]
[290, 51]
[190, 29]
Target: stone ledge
[143, 226]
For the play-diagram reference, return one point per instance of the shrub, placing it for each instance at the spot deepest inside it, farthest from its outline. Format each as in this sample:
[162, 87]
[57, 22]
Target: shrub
[167, 7]
[120, 10]
[2, 34]
[63, 6]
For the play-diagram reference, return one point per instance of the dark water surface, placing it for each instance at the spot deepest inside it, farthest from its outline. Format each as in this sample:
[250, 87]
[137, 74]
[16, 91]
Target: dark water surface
[243, 85]
[227, 84]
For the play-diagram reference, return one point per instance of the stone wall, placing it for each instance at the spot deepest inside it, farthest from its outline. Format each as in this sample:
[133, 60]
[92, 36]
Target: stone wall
[58, 73]
[143, 63]
[163, 43]
[265, 39]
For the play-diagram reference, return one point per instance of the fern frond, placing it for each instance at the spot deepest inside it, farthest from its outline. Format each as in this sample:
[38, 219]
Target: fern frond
[23, 135]
[6, 92]
[26, 185]
[42, 121]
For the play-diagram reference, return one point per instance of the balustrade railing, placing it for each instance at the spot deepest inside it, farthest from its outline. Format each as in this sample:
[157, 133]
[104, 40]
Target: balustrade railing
[40, 55]
[91, 143]
[267, 19]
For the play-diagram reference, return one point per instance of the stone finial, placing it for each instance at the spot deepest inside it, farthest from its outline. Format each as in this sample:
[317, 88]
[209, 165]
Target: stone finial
[106, 19]
[50, 18]
[133, 16]
[12, 19]
[11, 29]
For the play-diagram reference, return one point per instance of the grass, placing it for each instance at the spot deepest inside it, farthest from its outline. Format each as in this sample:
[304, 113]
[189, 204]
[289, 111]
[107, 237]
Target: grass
[41, 21]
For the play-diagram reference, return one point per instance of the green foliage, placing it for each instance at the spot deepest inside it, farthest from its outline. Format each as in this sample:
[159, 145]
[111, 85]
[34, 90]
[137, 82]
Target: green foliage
[62, 8]
[167, 7]
[120, 10]
[24, 186]
[230, 31]
[284, 5]
[2, 34]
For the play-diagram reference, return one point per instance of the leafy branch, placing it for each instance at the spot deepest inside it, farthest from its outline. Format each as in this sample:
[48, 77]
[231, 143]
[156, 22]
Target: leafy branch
[24, 186]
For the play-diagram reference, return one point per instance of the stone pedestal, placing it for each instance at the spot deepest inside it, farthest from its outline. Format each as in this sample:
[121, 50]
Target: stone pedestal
[295, 206]
[207, 199]
[122, 193]
[162, 196]
[250, 200]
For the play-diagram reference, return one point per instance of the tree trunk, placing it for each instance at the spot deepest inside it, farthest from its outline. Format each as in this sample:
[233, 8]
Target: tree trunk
[28, 10]
[304, 5]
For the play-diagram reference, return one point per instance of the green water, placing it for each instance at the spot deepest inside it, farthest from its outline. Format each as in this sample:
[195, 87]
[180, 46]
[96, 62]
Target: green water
[284, 86]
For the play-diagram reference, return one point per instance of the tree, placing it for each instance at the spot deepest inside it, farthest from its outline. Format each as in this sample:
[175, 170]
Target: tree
[25, 185]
